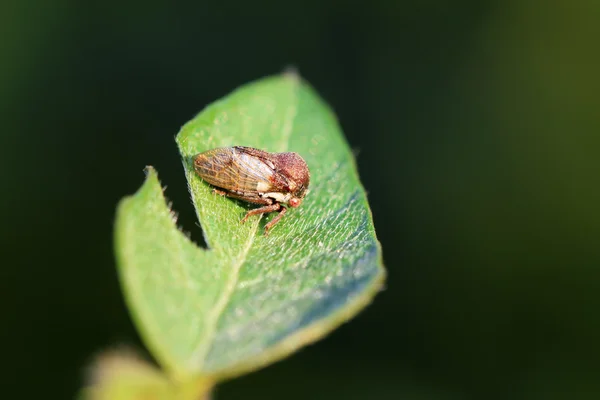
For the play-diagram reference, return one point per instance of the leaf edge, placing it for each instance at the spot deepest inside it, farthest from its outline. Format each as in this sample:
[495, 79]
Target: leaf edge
[167, 364]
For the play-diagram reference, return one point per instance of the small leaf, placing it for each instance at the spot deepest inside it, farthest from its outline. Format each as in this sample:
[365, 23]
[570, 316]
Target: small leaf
[249, 300]
[123, 375]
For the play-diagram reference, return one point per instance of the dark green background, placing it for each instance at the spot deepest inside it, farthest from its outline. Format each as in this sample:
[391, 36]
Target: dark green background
[477, 130]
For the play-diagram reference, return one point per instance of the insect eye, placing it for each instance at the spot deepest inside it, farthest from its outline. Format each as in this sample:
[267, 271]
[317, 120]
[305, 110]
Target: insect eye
[294, 202]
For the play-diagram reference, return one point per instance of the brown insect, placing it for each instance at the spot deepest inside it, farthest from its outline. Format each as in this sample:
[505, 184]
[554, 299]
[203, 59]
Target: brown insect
[256, 176]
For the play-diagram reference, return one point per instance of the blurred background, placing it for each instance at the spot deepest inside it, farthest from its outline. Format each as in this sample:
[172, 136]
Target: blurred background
[477, 126]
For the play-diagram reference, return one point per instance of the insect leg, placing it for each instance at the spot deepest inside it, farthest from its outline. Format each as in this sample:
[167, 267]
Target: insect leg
[219, 192]
[275, 220]
[262, 210]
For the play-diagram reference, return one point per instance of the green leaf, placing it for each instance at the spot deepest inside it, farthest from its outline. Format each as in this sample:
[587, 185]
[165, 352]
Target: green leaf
[249, 299]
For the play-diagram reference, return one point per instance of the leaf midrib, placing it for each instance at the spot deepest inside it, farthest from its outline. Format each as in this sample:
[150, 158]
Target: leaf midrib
[201, 350]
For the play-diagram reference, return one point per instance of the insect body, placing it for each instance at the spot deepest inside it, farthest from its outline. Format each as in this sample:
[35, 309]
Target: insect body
[273, 180]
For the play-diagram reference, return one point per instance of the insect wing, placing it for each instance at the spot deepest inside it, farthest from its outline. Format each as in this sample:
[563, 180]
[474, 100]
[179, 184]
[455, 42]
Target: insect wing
[266, 157]
[253, 173]
[234, 170]
[277, 182]
[210, 165]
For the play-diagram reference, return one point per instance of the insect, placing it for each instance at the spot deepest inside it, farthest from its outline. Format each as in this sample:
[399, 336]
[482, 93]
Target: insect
[273, 180]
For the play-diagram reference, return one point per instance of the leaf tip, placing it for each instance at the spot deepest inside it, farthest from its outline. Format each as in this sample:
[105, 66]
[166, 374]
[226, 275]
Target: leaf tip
[291, 72]
[126, 203]
[150, 171]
